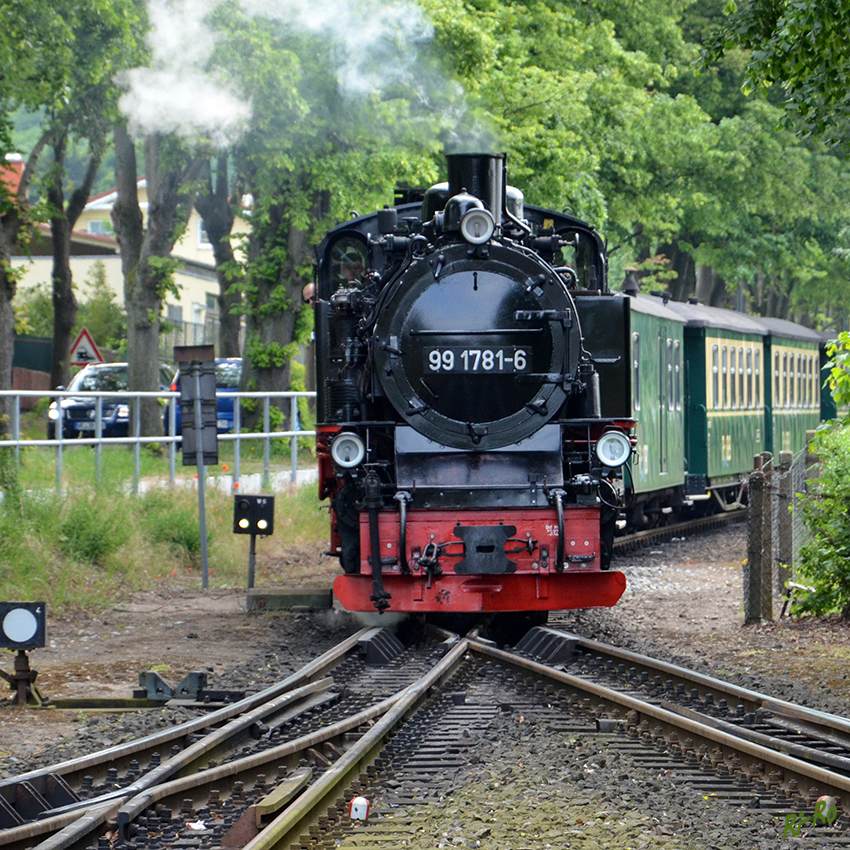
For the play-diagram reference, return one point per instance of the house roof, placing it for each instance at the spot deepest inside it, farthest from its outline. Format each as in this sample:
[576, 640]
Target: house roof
[12, 171]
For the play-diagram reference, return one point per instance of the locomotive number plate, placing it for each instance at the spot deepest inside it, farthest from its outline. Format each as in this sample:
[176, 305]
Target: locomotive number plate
[458, 359]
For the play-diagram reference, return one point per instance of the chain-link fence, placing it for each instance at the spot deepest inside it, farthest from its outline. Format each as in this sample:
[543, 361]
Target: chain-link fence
[776, 531]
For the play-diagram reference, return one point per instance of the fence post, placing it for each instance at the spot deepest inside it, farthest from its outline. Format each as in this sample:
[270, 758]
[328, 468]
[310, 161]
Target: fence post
[758, 570]
[785, 555]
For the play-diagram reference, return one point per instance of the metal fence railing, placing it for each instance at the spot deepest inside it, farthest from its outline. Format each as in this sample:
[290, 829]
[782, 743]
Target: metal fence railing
[10, 401]
[776, 531]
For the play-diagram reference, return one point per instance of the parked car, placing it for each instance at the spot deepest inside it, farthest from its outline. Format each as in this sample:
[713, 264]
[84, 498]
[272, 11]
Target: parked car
[228, 373]
[78, 414]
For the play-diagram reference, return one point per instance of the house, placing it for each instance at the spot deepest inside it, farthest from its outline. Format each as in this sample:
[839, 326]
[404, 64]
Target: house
[192, 317]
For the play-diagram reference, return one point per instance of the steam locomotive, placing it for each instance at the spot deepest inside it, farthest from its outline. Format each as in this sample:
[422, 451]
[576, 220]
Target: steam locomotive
[460, 436]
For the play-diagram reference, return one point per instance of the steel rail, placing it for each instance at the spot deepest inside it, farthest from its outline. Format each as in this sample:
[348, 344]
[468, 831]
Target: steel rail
[75, 768]
[752, 700]
[653, 535]
[302, 812]
[809, 778]
[74, 825]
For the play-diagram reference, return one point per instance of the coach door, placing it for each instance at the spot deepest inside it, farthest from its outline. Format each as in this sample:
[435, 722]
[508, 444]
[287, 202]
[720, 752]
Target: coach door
[665, 367]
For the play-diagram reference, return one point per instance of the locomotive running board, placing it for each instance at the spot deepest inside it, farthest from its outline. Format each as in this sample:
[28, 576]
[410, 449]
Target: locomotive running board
[491, 593]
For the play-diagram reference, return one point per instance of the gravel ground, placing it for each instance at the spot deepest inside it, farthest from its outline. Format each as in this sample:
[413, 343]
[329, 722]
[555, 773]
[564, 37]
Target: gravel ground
[683, 603]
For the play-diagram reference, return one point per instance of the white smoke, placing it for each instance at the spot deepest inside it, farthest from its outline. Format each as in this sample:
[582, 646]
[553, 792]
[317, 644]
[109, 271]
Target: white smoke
[372, 48]
[374, 44]
[176, 94]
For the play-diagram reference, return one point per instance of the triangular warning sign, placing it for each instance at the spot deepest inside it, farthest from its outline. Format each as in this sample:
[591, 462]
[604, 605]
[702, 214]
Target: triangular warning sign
[84, 351]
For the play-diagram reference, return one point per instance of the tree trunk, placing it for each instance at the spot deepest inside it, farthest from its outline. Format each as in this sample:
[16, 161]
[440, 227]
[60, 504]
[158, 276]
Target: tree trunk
[61, 225]
[147, 263]
[270, 334]
[681, 262]
[710, 287]
[215, 207]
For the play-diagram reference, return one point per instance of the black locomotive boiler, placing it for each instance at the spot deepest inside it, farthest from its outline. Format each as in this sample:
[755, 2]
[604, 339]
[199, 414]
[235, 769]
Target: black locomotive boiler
[459, 431]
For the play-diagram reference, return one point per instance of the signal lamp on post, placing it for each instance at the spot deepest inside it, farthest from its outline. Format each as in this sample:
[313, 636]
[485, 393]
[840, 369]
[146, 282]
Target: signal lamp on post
[253, 515]
[23, 626]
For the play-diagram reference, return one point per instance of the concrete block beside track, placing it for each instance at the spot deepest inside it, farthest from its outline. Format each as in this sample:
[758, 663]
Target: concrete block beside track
[289, 599]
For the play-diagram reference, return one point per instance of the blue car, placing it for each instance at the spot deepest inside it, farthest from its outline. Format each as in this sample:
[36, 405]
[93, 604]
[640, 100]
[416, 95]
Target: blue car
[78, 414]
[228, 372]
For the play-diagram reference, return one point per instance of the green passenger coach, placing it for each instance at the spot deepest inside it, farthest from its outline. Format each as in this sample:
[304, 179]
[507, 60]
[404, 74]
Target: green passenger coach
[725, 422]
[792, 385]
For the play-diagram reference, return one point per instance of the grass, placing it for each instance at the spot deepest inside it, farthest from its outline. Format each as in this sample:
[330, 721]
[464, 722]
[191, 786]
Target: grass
[38, 463]
[92, 546]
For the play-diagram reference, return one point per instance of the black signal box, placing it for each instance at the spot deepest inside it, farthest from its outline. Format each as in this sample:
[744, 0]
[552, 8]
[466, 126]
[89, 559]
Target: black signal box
[23, 625]
[253, 514]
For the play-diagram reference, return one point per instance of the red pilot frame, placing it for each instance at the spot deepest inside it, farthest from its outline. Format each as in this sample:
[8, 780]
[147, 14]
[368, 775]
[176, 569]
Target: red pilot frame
[532, 582]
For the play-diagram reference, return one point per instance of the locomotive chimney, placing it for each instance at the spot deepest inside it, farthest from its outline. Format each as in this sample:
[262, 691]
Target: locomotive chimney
[482, 175]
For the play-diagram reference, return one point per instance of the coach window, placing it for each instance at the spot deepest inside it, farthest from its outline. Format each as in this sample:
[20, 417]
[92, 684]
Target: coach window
[724, 361]
[757, 381]
[636, 369]
[799, 380]
[677, 373]
[715, 377]
[811, 381]
[671, 401]
[733, 378]
[777, 379]
[749, 378]
[785, 394]
[741, 400]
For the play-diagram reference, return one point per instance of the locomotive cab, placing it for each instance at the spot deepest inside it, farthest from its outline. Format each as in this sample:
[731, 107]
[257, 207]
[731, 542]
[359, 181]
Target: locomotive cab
[460, 437]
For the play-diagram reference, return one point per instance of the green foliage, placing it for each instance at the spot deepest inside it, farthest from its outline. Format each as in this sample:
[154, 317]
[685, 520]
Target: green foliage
[90, 549]
[839, 369]
[175, 523]
[803, 46]
[34, 311]
[825, 558]
[98, 311]
[92, 528]
[105, 319]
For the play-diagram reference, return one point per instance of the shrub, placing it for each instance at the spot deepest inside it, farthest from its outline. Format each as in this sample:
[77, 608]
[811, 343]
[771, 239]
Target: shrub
[92, 528]
[825, 558]
[172, 518]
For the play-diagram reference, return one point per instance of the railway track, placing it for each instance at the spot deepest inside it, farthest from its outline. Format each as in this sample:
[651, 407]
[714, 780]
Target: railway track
[639, 539]
[407, 726]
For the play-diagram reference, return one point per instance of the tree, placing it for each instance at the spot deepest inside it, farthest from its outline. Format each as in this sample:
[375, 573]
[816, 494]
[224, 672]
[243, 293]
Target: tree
[171, 173]
[314, 151]
[215, 204]
[802, 46]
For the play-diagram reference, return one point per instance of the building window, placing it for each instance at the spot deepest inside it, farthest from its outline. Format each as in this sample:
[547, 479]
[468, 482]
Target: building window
[212, 302]
[100, 227]
[203, 238]
[174, 313]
